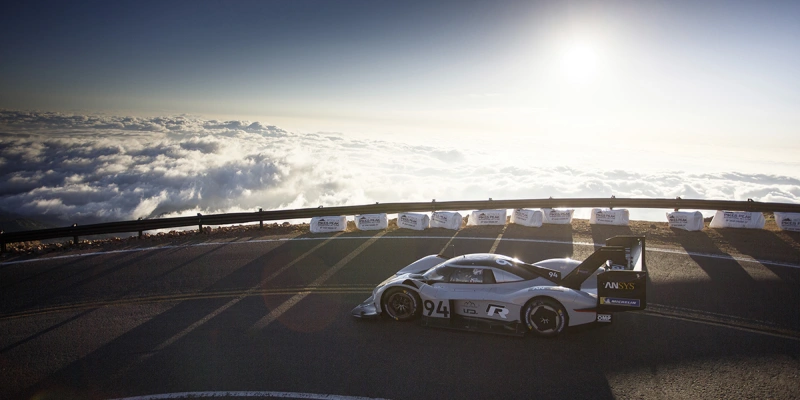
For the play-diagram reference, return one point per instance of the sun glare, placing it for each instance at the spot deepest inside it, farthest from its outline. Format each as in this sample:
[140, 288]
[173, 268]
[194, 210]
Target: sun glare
[579, 62]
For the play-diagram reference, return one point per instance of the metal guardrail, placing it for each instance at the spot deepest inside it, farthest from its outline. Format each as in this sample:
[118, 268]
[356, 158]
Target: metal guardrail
[140, 226]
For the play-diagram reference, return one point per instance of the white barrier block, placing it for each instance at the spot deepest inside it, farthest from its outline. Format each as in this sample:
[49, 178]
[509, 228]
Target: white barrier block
[788, 221]
[559, 216]
[328, 224]
[447, 220]
[525, 217]
[737, 219]
[413, 221]
[487, 217]
[371, 222]
[688, 221]
[609, 217]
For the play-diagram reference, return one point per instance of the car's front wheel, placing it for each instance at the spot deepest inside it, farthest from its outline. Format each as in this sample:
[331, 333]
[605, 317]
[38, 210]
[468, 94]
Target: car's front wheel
[401, 304]
[545, 317]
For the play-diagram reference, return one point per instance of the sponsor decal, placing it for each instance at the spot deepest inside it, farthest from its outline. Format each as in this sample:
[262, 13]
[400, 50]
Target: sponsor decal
[620, 285]
[500, 310]
[501, 261]
[551, 288]
[470, 311]
[681, 220]
[369, 221]
[470, 304]
[789, 223]
[404, 220]
[439, 217]
[322, 223]
[737, 217]
[483, 217]
[614, 301]
[603, 317]
[605, 216]
[441, 309]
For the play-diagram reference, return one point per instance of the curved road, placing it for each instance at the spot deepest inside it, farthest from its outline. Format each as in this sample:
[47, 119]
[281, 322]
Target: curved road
[244, 318]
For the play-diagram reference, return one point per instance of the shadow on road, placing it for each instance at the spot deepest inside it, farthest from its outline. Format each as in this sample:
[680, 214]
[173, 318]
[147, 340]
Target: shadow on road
[755, 241]
[188, 319]
[602, 232]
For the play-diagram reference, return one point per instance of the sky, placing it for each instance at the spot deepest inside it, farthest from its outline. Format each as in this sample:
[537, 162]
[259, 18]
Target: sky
[648, 88]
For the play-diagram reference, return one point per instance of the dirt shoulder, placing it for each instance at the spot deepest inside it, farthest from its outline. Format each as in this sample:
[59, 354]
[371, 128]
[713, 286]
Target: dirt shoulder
[769, 243]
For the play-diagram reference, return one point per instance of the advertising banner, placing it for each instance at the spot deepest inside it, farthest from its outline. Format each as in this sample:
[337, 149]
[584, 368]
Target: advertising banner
[557, 216]
[413, 221]
[688, 221]
[525, 217]
[328, 224]
[609, 217]
[788, 221]
[737, 219]
[447, 220]
[487, 217]
[371, 222]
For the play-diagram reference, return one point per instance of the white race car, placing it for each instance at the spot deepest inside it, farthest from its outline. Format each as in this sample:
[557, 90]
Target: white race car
[496, 293]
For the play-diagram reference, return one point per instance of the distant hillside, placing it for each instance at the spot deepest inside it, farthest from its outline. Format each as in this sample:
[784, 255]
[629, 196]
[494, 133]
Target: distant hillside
[11, 222]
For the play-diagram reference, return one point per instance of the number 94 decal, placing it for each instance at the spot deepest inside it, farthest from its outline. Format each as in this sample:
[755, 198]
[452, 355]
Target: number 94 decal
[441, 309]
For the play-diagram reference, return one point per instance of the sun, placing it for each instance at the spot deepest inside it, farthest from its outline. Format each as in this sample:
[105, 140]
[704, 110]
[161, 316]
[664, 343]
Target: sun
[579, 62]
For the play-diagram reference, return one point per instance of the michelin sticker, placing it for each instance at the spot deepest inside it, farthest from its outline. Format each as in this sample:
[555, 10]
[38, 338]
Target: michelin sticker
[613, 301]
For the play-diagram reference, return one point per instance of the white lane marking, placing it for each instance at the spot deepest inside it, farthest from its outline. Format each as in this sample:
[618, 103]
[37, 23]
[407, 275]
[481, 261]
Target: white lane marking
[226, 306]
[262, 394]
[497, 241]
[652, 249]
[278, 311]
[448, 244]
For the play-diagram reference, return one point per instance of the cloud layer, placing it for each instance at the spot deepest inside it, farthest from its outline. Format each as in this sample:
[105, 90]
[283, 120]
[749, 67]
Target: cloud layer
[86, 169]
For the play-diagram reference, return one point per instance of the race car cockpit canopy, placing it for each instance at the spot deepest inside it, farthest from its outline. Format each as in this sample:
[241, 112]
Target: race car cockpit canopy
[505, 263]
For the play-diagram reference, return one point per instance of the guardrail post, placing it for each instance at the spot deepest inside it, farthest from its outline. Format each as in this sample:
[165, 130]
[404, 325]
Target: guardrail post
[260, 221]
[140, 232]
[677, 203]
[2, 243]
[199, 222]
[75, 237]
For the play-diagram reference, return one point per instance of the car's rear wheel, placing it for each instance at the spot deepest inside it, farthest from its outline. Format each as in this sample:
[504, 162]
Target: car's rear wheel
[545, 317]
[401, 304]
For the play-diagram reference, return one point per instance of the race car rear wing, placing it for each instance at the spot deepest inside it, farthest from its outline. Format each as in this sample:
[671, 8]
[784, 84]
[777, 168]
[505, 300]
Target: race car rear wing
[623, 253]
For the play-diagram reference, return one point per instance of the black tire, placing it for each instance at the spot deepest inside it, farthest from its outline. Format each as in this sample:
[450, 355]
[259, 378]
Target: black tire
[545, 317]
[401, 304]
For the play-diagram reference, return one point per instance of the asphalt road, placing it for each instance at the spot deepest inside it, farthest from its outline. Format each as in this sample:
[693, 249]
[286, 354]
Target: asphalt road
[244, 318]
